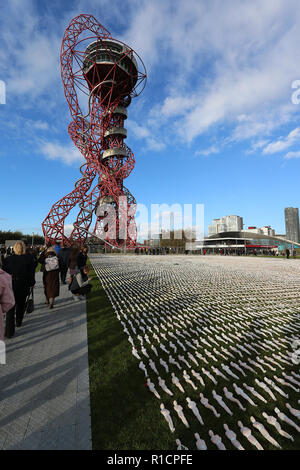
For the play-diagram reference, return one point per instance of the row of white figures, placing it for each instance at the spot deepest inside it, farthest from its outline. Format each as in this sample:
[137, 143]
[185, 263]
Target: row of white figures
[192, 357]
[270, 382]
[216, 371]
[260, 362]
[244, 430]
[217, 397]
[229, 372]
[215, 439]
[256, 335]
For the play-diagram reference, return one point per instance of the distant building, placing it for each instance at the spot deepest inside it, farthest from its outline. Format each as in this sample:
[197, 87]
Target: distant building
[242, 242]
[155, 241]
[229, 223]
[291, 215]
[266, 230]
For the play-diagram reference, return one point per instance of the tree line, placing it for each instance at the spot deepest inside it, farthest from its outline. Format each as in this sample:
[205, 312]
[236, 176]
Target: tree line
[17, 235]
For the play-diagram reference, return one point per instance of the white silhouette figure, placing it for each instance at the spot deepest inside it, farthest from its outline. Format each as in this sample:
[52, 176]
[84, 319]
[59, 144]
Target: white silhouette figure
[142, 366]
[287, 420]
[152, 388]
[205, 403]
[293, 411]
[179, 411]
[192, 405]
[232, 437]
[217, 440]
[198, 377]
[162, 384]
[200, 443]
[176, 382]
[254, 392]
[247, 433]
[263, 431]
[240, 392]
[219, 399]
[188, 380]
[273, 421]
[166, 415]
[180, 446]
[135, 353]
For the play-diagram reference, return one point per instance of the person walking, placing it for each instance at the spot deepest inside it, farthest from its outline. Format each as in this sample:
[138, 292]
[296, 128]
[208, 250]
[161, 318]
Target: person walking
[32, 252]
[51, 269]
[82, 258]
[21, 267]
[63, 256]
[7, 298]
[2, 255]
[57, 248]
[287, 252]
[73, 260]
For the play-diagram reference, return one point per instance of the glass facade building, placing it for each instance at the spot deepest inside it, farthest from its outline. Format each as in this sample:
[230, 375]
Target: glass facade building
[243, 242]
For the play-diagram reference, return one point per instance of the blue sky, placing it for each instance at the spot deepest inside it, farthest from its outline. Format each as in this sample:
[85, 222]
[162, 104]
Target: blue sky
[215, 124]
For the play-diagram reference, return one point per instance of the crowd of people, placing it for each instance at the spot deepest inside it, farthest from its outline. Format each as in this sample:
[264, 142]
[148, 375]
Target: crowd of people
[163, 250]
[18, 266]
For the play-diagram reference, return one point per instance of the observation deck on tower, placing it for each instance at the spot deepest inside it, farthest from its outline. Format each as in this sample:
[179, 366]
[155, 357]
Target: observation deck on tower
[112, 64]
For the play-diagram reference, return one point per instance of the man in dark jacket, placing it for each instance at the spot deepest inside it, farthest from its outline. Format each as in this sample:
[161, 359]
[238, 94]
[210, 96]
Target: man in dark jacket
[63, 256]
[21, 266]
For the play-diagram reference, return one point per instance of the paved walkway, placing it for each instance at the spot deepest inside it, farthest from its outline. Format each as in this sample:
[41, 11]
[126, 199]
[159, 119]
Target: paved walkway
[44, 387]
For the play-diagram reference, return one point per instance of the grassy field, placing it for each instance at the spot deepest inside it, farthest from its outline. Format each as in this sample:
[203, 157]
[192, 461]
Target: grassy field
[124, 413]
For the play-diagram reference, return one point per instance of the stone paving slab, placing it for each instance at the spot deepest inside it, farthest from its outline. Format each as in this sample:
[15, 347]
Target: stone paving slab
[44, 387]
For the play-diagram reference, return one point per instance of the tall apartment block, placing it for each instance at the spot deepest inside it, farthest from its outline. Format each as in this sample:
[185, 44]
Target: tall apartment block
[291, 215]
[229, 223]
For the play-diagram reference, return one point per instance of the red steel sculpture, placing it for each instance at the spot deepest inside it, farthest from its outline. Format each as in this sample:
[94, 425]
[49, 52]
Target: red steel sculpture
[110, 73]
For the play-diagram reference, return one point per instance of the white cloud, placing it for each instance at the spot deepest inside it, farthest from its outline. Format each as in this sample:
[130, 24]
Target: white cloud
[68, 229]
[30, 54]
[140, 132]
[290, 155]
[220, 60]
[176, 105]
[255, 125]
[39, 125]
[69, 154]
[213, 149]
[283, 144]
[155, 144]
[145, 133]
[208, 63]
[256, 146]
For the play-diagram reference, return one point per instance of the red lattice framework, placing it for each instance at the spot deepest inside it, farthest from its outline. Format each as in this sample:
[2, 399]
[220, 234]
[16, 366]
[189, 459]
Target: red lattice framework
[110, 73]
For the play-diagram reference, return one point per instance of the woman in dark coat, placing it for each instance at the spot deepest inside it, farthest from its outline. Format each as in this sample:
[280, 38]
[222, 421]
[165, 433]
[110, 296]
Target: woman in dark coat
[82, 258]
[73, 260]
[21, 266]
[50, 268]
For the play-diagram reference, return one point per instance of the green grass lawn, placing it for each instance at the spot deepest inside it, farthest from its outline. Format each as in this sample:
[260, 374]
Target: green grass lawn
[124, 413]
